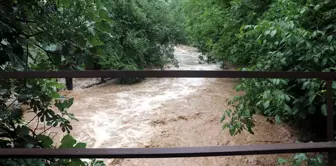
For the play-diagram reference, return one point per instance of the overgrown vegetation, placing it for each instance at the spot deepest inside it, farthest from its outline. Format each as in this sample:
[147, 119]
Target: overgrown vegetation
[270, 35]
[70, 35]
[259, 35]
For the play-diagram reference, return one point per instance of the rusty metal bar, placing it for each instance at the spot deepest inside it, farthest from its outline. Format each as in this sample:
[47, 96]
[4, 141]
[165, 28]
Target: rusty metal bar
[169, 152]
[330, 115]
[330, 119]
[329, 147]
[167, 73]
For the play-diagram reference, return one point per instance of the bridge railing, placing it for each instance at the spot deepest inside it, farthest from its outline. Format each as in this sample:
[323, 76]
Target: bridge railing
[329, 146]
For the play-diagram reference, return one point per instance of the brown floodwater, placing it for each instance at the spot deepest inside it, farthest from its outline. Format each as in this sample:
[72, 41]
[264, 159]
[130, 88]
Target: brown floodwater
[167, 112]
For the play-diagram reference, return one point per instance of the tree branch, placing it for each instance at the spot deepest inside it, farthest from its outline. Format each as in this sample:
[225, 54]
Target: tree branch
[46, 130]
[38, 33]
[32, 32]
[11, 103]
[55, 133]
[32, 119]
[26, 21]
[38, 122]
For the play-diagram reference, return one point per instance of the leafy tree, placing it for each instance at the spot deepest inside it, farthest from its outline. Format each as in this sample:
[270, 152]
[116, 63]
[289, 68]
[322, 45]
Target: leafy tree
[70, 35]
[142, 35]
[266, 35]
[41, 35]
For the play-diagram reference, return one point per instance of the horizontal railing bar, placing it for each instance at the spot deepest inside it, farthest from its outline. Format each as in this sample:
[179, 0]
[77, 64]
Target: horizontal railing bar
[167, 73]
[169, 152]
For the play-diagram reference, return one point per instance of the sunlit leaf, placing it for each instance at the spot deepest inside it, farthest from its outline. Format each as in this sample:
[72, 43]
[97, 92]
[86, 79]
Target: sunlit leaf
[273, 33]
[266, 104]
[95, 41]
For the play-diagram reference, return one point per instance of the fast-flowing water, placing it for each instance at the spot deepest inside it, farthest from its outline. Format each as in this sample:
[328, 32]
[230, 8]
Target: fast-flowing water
[120, 116]
[165, 112]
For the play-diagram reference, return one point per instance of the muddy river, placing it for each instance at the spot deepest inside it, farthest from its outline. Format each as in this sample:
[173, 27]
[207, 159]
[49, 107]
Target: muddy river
[167, 112]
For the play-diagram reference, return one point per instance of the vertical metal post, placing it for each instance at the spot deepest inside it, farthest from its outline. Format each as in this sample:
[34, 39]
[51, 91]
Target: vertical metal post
[69, 84]
[330, 119]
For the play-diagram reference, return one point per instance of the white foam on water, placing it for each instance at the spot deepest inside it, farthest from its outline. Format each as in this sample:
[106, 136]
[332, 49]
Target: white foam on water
[123, 119]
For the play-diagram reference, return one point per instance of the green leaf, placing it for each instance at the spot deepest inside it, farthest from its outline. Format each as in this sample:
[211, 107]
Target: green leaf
[312, 109]
[301, 156]
[52, 47]
[81, 41]
[226, 125]
[95, 41]
[324, 61]
[76, 162]
[329, 38]
[223, 118]
[232, 130]
[29, 140]
[68, 142]
[311, 97]
[80, 145]
[57, 85]
[97, 50]
[282, 161]
[89, 62]
[95, 162]
[103, 14]
[64, 3]
[287, 108]
[46, 141]
[60, 106]
[309, 45]
[247, 113]
[273, 33]
[266, 104]
[72, 116]
[249, 129]
[68, 103]
[324, 109]
[103, 26]
[23, 131]
[57, 59]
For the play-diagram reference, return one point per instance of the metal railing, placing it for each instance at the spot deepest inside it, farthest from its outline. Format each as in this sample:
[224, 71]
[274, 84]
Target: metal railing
[329, 146]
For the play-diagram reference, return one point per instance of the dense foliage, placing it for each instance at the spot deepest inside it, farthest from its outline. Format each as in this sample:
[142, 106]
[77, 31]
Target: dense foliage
[70, 35]
[270, 35]
[142, 35]
[283, 35]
